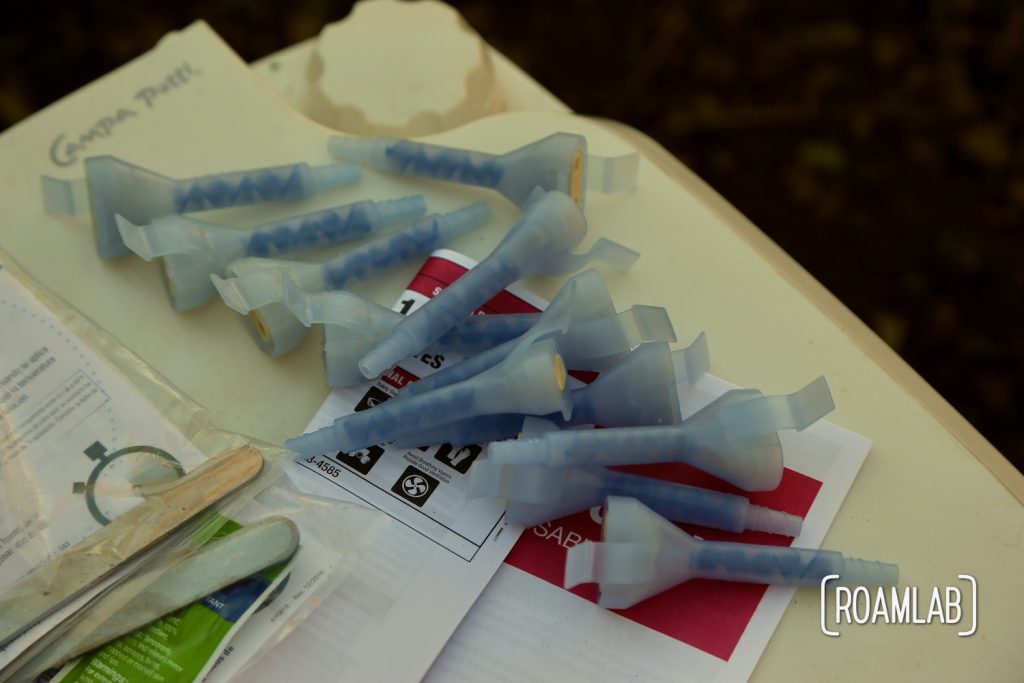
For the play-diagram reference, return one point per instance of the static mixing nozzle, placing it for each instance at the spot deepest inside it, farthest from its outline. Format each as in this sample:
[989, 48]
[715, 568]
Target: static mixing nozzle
[258, 290]
[531, 381]
[191, 251]
[735, 438]
[539, 243]
[642, 554]
[558, 162]
[114, 187]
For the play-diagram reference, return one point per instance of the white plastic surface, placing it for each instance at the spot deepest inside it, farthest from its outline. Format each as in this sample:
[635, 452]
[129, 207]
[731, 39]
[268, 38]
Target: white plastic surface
[700, 262]
[451, 74]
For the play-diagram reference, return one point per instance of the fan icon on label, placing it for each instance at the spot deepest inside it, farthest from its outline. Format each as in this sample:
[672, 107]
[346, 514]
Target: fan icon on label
[415, 486]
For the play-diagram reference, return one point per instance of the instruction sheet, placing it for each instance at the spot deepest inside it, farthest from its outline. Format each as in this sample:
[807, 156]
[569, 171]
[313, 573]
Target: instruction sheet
[75, 438]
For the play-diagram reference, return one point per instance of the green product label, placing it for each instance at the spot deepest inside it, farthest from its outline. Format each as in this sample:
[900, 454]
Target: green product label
[179, 646]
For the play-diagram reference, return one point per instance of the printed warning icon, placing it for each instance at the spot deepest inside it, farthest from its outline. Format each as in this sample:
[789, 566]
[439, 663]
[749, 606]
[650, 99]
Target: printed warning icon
[363, 460]
[372, 397]
[458, 459]
[415, 486]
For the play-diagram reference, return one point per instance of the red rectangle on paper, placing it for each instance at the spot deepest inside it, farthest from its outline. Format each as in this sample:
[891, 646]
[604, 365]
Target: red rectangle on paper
[399, 377]
[709, 615]
[438, 273]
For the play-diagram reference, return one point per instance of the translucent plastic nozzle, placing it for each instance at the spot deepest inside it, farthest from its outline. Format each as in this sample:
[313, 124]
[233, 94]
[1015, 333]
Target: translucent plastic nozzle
[259, 292]
[193, 250]
[274, 329]
[341, 353]
[353, 326]
[595, 345]
[480, 429]
[254, 288]
[534, 425]
[642, 554]
[600, 343]
[692, 363]
[548, 229]
[606, 251]
[532, 381]
[558, 162]
[584, 295]
[117, 187]
[253, 283]
[351, 311]
[483, 332]
[539, 494]
[416, 240]
[798, 411]
[595, 338]
[734, 438]
[641, 390]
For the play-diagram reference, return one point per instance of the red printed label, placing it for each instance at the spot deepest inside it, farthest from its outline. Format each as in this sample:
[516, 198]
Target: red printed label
[398, 377]
[438, 273]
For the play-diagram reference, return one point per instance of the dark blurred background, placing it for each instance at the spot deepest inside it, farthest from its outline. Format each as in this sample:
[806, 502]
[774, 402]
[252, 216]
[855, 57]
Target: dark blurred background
[881, 144]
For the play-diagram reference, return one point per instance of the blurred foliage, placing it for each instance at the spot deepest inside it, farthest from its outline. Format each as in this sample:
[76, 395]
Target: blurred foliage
[878, 143]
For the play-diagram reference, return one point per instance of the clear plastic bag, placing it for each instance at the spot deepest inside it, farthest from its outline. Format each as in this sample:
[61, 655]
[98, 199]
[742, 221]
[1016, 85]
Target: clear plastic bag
[90, 434]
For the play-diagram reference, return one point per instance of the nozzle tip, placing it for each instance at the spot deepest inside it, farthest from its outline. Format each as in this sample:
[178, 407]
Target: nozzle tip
[869, 573]
[350, 148]
[774, 521]
[370, 367]
[312, 443]
[402, 208]
[336, 175]
[516, 452]
[471, 214]
[385, 354]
